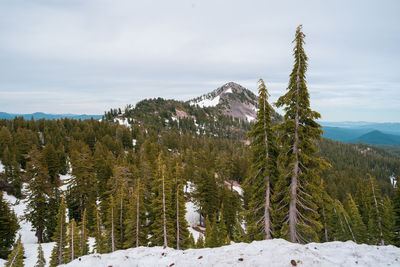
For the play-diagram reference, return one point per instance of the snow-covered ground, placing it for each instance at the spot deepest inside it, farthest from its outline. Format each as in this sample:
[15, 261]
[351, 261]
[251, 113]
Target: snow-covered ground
[277, 252]
[192, 216]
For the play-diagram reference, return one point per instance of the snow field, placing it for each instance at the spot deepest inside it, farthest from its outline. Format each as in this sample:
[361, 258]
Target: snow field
[276, 252]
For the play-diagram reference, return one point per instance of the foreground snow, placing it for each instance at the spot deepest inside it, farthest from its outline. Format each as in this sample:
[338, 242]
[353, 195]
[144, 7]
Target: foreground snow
[275, 252]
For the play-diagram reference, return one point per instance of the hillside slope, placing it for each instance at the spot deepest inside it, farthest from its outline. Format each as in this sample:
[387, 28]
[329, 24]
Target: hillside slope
[276, 252]
[378, 138]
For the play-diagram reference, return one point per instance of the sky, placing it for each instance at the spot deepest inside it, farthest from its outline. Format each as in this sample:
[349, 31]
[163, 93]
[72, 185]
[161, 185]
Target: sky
[85, 57]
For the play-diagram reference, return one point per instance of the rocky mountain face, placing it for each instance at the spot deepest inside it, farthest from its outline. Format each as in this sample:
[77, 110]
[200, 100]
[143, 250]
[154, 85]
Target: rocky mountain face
[232, 100]
[228, 111]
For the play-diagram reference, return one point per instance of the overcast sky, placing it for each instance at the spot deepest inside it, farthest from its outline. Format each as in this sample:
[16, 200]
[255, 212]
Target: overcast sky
[70, 56]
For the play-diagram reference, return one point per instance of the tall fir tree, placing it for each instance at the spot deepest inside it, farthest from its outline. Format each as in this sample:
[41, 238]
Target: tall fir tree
[83, 235]
[118, 185]
[162, 225]
[8, 227]
[298, 183]
[110, 225]
[263, 146]
[81, 192]
[181, 227]
[73, 248]
[357, 223]
[41, 261]
[396, 211]
[60, 237]
[99, 236]
[38, 192]
[12, 171]
[16, 257]
[135, 223]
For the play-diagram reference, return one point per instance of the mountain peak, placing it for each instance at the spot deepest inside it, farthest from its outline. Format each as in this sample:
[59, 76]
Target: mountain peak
[232, 99]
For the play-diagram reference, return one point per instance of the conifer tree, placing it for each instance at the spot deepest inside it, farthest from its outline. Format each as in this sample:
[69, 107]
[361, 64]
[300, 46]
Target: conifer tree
[41, 261]
[396, 211]
[16, 257]
[83, 235]
[375, 213]
[214, 240]
[12, 171]
[100, 243]
[163, 224]
[358, 225]
[110, 224]
[72, 250]
[182, 233]
[388, 221]
[200, 242]
[119, 189]
[81, 188]
[8, 227]
[135, 232]
[264, 164]
[190, 243]
[223, 235]
[60, 237]
[207, 234]
[298, 183]
[5, 140]
[38, 193]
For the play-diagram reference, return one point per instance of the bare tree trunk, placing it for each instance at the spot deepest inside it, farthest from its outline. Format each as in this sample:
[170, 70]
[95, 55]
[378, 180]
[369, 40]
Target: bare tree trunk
[112, 229]
[72, 242]
[177, 218]
[39, 234]
[295, 177]
[379, 216]
[325, 226]
[267, 218]
[137, 213]
[15, 256]
[348, 226]
[99, 246]
[60, 248]
[121, 223]
[164, 217]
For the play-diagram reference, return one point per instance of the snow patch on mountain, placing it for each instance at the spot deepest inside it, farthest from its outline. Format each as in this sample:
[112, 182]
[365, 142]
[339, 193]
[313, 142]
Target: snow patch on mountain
[250, 118]
[1, 167]
[122, 121]
[207, 102]
[276, 252]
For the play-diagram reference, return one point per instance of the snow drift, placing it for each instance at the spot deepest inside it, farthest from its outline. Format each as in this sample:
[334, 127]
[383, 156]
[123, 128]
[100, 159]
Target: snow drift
[277, 252]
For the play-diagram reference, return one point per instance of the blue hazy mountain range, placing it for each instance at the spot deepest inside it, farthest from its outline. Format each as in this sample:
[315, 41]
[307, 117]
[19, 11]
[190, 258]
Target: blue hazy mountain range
[40, 115]
[387, 134]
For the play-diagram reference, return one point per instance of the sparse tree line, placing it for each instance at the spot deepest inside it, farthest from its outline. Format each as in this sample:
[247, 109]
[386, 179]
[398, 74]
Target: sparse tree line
[126, 194]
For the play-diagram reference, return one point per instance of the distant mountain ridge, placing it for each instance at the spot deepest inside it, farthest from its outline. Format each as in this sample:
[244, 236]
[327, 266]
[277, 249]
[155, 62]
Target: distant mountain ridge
[41, 115]
[378, 138]
[385, 134]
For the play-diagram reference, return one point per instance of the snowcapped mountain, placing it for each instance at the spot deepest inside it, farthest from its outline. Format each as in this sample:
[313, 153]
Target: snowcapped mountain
[232, 99]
